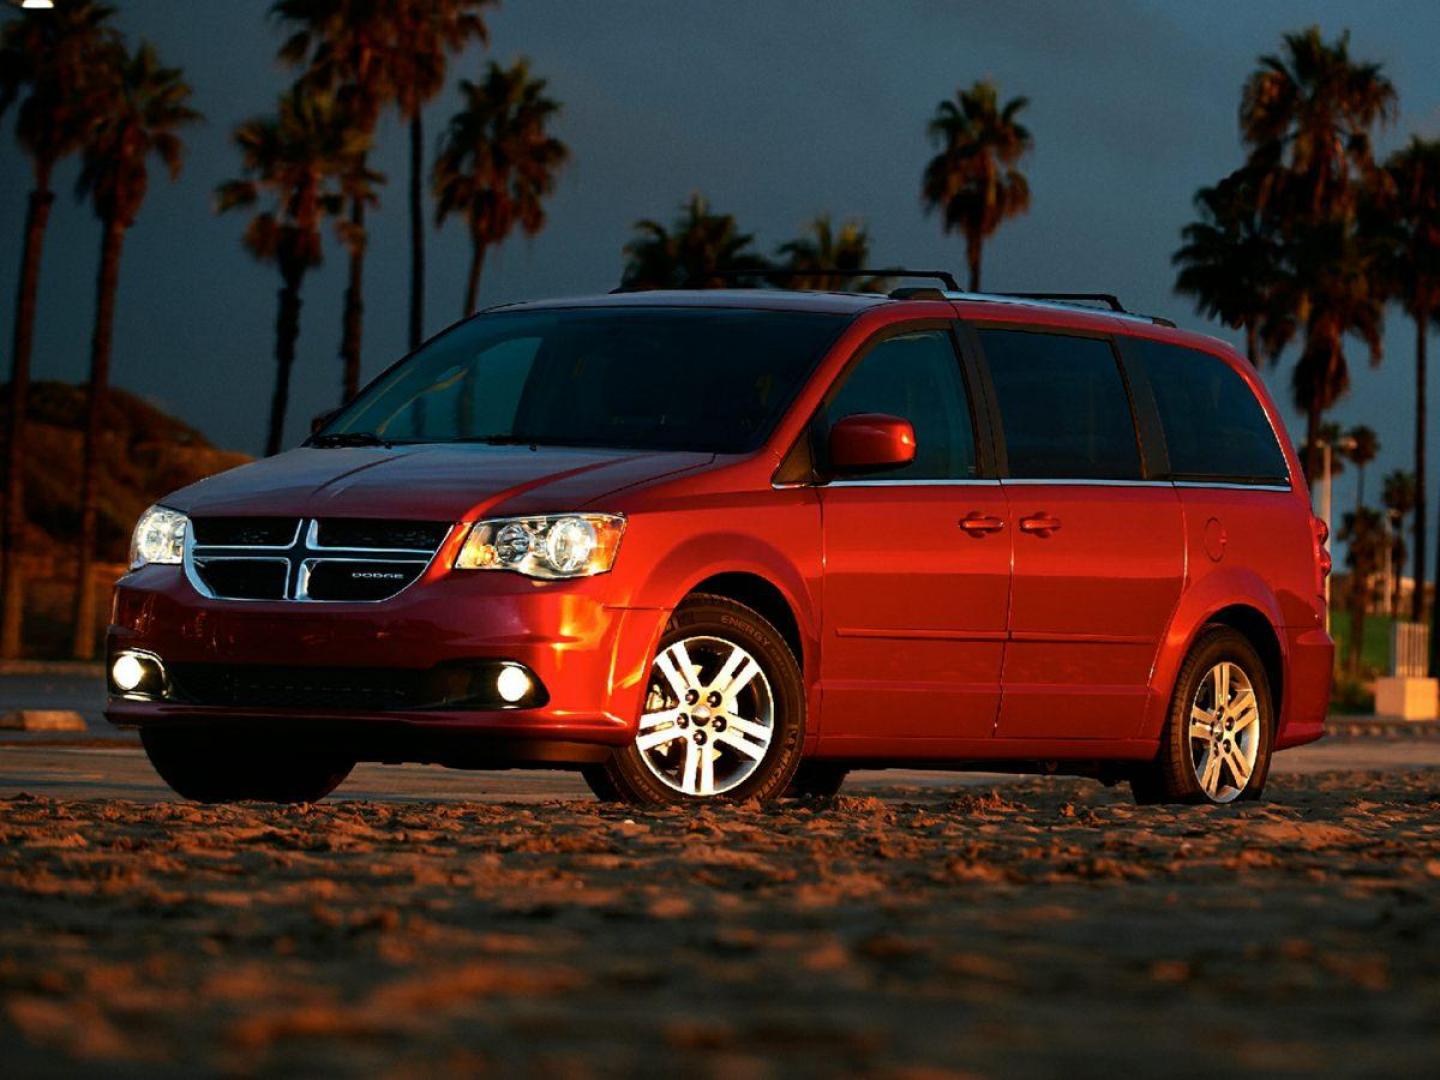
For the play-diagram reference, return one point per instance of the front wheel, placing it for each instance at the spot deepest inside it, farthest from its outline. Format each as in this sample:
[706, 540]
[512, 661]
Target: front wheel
[207, 768]
[724, 713]
[1216, 744]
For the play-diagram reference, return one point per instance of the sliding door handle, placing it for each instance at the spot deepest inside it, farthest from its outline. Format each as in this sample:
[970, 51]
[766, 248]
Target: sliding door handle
[978, 524]
[1042, 524]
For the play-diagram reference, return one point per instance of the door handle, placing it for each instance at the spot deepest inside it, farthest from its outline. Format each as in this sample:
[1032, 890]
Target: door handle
[978, 524]
[1042, 524]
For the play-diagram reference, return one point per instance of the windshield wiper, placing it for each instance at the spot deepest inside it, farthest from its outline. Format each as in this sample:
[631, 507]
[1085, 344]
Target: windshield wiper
[497, 440]
[349, 438]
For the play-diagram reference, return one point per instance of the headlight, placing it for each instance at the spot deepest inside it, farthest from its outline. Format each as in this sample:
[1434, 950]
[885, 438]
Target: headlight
[159, 537]
[554, 546]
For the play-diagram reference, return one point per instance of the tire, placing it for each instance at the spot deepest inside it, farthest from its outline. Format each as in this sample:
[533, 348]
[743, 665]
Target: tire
[204, 768]
[690, 716]
[817, 780]
[1211, 755]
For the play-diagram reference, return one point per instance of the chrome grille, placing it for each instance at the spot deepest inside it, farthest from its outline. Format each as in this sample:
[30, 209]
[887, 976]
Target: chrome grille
[315, 560]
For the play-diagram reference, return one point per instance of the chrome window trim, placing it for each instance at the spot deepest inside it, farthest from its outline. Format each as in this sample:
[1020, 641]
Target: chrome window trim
[1036, 482]
[1222, 485]
[911, 483]
[1031, 481]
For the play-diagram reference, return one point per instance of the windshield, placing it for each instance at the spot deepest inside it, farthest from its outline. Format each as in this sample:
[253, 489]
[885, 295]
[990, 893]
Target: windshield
[706, 379]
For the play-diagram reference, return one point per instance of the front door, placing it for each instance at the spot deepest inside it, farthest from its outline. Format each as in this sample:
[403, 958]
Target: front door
[917, 564]
[1099, 548]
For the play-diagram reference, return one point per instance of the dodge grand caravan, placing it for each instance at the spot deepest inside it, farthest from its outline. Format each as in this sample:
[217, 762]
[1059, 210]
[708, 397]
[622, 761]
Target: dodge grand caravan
[731, 544]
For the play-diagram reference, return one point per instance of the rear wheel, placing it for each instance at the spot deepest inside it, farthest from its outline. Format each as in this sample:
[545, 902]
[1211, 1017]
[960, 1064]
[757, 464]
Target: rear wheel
[724, 713]
[1216, 745]
[210, 769]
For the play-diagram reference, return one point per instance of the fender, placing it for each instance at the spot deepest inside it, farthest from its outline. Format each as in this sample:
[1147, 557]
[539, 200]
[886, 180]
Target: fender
[1219, 589]
[709, 554]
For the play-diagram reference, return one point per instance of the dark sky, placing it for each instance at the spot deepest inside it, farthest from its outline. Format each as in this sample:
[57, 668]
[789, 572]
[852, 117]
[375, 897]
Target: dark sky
[775, 110]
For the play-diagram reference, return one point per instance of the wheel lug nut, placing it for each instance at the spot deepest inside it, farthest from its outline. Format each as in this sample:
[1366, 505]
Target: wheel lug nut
[718, 723]
[691, 697]
[699, 738]
[683, 721]
[713, 699]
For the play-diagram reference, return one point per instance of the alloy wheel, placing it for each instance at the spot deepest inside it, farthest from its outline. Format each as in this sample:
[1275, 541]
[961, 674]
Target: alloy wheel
[709, 716]
[1224, 732]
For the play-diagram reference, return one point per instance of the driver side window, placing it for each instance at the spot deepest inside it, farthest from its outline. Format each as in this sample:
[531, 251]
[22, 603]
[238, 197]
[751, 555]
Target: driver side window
[915, 376]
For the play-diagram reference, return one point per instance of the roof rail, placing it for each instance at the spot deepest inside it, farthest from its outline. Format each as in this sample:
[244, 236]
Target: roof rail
[945, 278]
[1110, 300]
[1079, 298]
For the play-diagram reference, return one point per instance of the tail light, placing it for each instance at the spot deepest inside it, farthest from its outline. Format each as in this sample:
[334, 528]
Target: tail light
[1323, 562]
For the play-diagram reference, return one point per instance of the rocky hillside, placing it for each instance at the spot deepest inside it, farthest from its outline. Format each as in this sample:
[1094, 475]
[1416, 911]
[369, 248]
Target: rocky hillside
[146, 453]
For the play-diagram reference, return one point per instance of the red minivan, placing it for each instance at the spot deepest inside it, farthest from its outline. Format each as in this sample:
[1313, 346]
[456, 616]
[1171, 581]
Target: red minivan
[731, 544]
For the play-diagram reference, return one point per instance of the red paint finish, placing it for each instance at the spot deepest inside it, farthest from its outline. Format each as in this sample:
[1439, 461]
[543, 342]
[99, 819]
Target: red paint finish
[943, 621]
[916, 608]
[870, 443]
[1098, 572]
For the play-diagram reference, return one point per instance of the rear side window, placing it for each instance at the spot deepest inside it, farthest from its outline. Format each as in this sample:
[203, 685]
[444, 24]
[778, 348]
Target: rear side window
[1214, 427]
[916, 376]
[1063, 406]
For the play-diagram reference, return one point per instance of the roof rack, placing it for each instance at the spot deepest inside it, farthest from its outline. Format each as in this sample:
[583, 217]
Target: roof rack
[1079, 298]
[945, 278]
[1110, 300]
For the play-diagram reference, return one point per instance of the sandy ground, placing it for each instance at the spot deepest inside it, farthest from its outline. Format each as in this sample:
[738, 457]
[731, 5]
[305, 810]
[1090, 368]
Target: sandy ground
[914, 928]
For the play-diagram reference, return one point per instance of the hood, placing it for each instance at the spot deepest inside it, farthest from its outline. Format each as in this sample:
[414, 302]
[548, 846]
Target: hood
[429, 482]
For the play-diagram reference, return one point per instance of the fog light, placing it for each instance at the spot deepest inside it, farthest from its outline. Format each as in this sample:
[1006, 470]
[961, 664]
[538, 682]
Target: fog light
[512, 684]
[127, 673]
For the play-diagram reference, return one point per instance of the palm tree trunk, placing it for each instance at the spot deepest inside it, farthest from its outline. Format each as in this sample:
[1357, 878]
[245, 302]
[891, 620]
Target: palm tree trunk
[1252, 343]
[287, 330]
[82, 645]
[1417, 602]
[417, 232]
[12, 588]
[472, 286]
[972, 256]
[354, 305]
[1313, 417]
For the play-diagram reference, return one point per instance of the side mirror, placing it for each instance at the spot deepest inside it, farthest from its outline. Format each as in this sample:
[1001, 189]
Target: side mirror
[871, 442]
[323, 419]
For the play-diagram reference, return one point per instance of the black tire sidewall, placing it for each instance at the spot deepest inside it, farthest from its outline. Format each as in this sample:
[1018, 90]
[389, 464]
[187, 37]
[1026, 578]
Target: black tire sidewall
[1214, 645]
[720, 617]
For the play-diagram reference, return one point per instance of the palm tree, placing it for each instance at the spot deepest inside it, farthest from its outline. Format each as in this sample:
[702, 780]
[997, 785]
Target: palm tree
[1231, 263]
[823, 247]
[1362, 447]
[47, 59]
[296, 157]
[427, 31]
[692, 252]
[139, 113]
[1334, 292]
[498, 162]
[1365, 542]
[1400, 498]
[404, 46]
[974, 181]
[1306, 116]
[1406, 215]
[343, 48]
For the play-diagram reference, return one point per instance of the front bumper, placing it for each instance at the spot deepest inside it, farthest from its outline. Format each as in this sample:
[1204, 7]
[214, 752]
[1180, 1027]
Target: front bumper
[591, 657]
